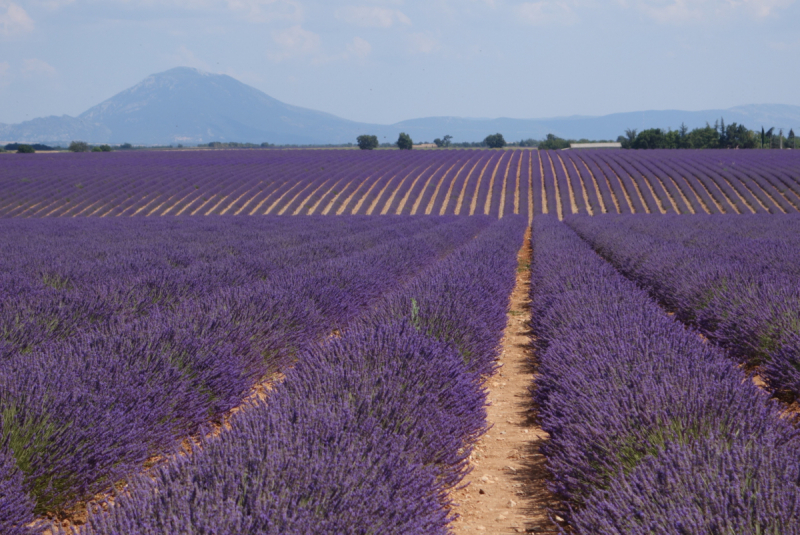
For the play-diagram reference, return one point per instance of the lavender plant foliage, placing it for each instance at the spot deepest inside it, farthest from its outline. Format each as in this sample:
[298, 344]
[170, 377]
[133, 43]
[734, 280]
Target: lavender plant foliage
[367, 432]
[637, 407]
[133, 381]
[717, 485]
[451, 302]
[736, 279]
[16, 508]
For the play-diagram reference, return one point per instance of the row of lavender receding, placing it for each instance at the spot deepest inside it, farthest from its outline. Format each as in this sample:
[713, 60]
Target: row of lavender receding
[118, 339]
[367, 433]
[651, 429]
[463, 182]
[737, 280]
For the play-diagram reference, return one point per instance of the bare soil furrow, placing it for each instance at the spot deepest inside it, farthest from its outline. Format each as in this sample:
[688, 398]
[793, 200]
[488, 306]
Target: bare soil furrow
[541, 177]
[449, 194]
[474, 203]
[506, 490]
[559, 208]
[686, 199]
[572, 202]
[488, 204]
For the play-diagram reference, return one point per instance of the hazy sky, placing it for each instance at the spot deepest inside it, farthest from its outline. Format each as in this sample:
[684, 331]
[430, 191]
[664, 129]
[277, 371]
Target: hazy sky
[384, 61]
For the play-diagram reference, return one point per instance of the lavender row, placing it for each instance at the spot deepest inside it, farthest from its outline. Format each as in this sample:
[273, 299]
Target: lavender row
[58, 276]
[359, 182]
[235, 182]
[128, 391]
[651, 430]
[368, 431]
[736, 279]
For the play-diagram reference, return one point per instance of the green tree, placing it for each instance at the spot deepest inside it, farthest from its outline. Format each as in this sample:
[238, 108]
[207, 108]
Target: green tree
[683, 136]
[704, 138]
[404, 142]
[791, 140]
[628, 139]
[366, 142]
[553, 142]
[495, 141]
[732, 136]
[79, 146]
[737, 136]
[653, 138]
[768, 137]
[443, 142]
[25, 149]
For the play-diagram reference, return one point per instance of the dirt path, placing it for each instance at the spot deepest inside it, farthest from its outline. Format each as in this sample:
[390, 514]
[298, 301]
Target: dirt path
[488, 204]
[603, 209]
[336, 196]
[506, 490]
[557, 193]
[530, 188]
[656, 198]
[504, 188]
[516, 188]
[429, 208]
[586, 202]
[722, 192]
[700, 198]
[341, 210]
[474, 203]
[446, 201]
[541, 180]
[685, 198]
[363, 198]
[573, 205]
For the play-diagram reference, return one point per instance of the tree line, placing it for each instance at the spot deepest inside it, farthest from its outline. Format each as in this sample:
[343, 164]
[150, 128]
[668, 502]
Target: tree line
[719, 136]
[404, 142]
[493, 141]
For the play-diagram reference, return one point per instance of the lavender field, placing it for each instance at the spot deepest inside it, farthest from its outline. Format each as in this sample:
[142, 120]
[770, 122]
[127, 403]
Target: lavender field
[652, 429]
[314, 374]
[450, 182]
[122, 337]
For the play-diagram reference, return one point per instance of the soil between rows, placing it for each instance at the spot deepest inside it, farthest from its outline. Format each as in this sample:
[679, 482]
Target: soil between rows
[506, 491]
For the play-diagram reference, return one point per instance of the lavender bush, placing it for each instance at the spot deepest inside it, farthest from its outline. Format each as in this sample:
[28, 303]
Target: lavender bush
[651, 430]
[368, 431]
[111, 378]
[736, 279]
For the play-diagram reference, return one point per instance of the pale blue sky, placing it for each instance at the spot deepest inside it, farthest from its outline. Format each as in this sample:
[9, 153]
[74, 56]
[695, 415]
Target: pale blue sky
[387, 60]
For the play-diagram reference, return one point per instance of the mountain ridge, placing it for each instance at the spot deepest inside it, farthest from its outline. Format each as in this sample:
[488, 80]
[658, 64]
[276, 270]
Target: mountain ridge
[189, 106]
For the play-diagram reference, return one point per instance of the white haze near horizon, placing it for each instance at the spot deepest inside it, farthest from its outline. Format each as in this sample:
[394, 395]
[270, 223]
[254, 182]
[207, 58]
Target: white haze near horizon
[383, 61]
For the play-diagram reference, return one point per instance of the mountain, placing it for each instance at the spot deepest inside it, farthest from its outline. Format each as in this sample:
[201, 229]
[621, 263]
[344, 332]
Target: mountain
[188, 106]
[184, 105]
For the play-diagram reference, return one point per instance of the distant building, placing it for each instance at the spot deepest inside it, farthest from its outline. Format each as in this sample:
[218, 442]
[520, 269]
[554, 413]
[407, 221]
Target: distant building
[595, 145]
[425, 146]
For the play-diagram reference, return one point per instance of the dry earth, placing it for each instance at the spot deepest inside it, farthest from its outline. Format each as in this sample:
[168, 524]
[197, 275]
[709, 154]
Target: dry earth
[506, 490]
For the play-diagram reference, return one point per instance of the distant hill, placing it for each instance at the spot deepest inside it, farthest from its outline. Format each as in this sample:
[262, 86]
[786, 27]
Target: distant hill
[753, 116]
[184, 105]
